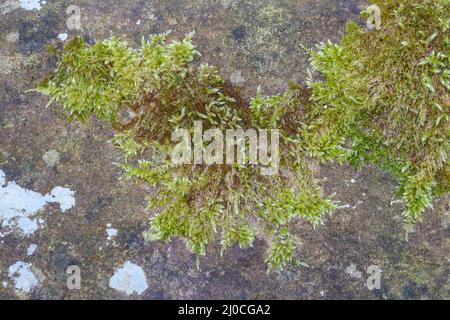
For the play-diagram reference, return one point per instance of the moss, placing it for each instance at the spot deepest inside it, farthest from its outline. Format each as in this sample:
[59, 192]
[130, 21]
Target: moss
[147, 93]
[386, 94]
[384, 100]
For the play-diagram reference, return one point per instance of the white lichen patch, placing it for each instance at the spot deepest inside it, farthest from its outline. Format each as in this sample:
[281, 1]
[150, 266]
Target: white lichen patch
[129, 279]
[353, 271]
[110, 231]
[6, 65]
[27, 226]
[18, 205]
[13, 37]
[63, 36]
[31, 249]
[236, 78]
[63, 196]
[31, 4]
[22, 276]
[51, 158]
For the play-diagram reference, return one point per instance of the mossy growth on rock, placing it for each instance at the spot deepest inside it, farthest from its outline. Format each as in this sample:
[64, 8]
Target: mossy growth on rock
[383, 99]
[146, 94]
[386, 94]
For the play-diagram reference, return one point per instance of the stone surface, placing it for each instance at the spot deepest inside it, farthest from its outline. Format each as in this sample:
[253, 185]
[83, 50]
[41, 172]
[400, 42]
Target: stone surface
[260, 38]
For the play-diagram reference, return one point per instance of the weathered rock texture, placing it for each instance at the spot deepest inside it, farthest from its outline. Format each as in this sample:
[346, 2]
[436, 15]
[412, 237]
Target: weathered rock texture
[255, 42]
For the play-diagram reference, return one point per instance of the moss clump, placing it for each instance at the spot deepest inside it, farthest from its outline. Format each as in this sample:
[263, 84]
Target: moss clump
[146, 94]
[385, 97]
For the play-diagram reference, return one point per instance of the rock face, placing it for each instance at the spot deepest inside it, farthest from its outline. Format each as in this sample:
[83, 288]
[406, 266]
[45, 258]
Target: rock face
[255, 43]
